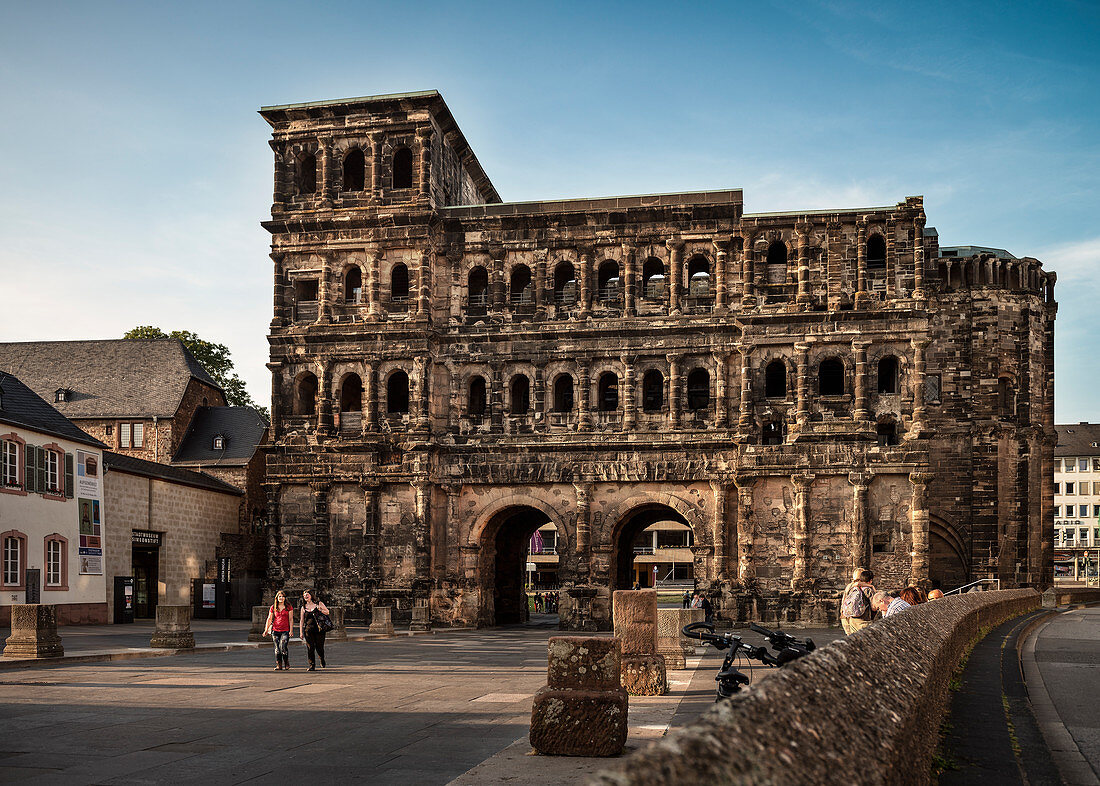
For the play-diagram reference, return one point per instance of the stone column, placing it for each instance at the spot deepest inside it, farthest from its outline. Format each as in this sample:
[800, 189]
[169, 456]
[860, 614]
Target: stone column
[496, 399]
[891, 259]
[629, 280]
[748, 274]
[584, 536]
[424, 280]
[803, 297]
[721, 506]
[374, 278]
[861, 263]
[540, 283]
[675, 274]
[281, 314]
[583, 284]
[454, 411]
[173, 629]
[918, 259]
[423, 403]
[860, 412]
[422, 532]
[744, 418]
[802, 384]
[673, 390]
[324, 159]
[746, 566]
[918, 519]
[584, 422]
[322, 539]
[917, 429]
[496, 282]
[801, 534]
[370, 398]
[454, 296]
[629, 405]
[721, 389]
[381, 621]
[372, 530]
[376, 166]
[276, 370]
[325, 419]
[860, 553]
[721, 257]
[34, 632]
[424, 146]
[324, 294]
[539, 416]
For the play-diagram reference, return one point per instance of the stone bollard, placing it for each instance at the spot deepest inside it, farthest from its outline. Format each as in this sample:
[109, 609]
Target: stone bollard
[259, 620]
[381, 620]
[635, 617]
[582, 710]
[33, 632]
[1050, 598]
[173, 630]
[672, 644]
[338, 632]
[421, 621]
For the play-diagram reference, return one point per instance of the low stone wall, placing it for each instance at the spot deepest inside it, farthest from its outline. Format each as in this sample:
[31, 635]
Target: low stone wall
[862, 710]
[1068, 597]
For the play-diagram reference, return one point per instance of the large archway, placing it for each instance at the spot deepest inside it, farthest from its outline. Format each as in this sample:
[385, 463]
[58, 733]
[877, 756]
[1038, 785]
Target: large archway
[948, 563]
[628, 549]
[505, 542]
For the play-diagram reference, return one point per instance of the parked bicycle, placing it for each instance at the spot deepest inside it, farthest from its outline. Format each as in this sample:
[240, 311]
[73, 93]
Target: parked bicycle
[786, 649]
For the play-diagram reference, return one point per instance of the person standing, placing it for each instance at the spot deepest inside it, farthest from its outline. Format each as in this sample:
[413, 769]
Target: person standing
[855, 603]
[280, 620]
[309, 629]
[686, 599]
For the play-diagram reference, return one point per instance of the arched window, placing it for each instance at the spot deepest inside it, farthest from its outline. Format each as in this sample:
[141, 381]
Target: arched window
[1006, 397]
[565, 285]
[608, 392]
[698, 389]
[521, 290]
[351, 394]
[876, 252]
[887, 432]
[353, 285]
[403, 168]
[774, 432]
[475, 405]
[355, 167]
[305, 395]
[563, 393]
[397, 393]
[888, 375]
[609, 287]
[654, 283]
[521, 395]
[775, 380]
[399, 284]
[479, 290]
[698, 277]
[777, 263]
[307, 174]
[653, 391]
[830, 378]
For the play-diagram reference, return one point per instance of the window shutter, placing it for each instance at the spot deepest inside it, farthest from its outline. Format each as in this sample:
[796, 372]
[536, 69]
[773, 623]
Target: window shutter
[40, 464]
[28, 469]
[69, 475]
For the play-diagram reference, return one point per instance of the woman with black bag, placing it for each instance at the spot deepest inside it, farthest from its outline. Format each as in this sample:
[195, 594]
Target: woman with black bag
[314, 623]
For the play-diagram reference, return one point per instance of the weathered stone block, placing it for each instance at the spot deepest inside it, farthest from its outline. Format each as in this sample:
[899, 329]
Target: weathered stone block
[583, 663]
[338, 632]
[579, 722]
[671, 643]
[33, 632]
[635, 619]
[381, 621]
[259, 620]
[421, 621]
[644, 675]
[173, 628]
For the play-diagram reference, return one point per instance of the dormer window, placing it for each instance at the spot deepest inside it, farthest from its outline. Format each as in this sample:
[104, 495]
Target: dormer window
[219, 442]
[61, 395]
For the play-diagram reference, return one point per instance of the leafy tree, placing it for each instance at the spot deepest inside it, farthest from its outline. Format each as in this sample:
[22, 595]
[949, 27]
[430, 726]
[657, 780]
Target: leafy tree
[213, 357]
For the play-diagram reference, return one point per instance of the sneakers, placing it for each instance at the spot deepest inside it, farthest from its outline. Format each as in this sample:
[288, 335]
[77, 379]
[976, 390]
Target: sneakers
[312, 668]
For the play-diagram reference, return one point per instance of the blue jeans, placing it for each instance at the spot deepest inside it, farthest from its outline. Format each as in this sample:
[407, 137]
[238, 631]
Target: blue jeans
[281, 639]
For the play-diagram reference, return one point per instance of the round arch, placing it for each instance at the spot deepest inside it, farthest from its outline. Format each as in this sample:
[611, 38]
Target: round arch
[632, 516]
[948, 555]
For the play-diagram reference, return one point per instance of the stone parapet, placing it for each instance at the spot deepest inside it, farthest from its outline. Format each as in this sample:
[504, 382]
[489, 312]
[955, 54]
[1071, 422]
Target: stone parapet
[173, 628]
[33, 632]
[582, 710]
[672, 644]
[381, 621]
[1068, 597]
[891, 676]
[635, 617]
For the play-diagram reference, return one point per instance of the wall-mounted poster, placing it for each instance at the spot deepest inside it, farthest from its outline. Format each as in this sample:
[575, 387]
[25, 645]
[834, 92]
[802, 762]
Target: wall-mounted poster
[87, 475]
[89, 510]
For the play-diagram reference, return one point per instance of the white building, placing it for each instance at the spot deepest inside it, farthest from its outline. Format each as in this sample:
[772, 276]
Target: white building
[1077, 501]
[51, 510]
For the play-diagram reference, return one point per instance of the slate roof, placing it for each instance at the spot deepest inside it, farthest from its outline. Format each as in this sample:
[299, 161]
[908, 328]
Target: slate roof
[1075, 439]
[150, 469]
[20, 406]
[112, 378]
[242, 427]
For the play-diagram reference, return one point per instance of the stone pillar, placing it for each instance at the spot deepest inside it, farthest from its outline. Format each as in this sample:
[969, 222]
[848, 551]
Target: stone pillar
[584, 535]
[860, 412]
[744, 418]
[370, 398]
[173, 628]
[801, 534]
[540, 417]
[540, 282]
[324, 290]
[748, 274]
[421, 619]
[423, 401]
[583, 284]
[424, 146]
[675, 274]
[584, 422]
[423, 528]
[496, 399]
[721, 390]
[281, 314]
[324, 160]
[454, 409]
[635, 620]
[802, 384]
[860, 553]
[381, 621]
[918, 259]
[803, 298]
[376, 166]
[861, 263]
[673, 390]
[720, 525]
[746, 566]
[496, 280]
[918, 519]
[339, 631]
[891, 259]
[424, 280]
[721, 257]
[629, 280]
[34, 632]
[582, 710]
[672, 645]
[918, 428]
[325, 420]
[259, 622]
[630, 415]
[374, 279]
[276, 370]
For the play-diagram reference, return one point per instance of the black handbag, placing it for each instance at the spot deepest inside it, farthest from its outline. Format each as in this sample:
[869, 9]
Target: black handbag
[324, 622]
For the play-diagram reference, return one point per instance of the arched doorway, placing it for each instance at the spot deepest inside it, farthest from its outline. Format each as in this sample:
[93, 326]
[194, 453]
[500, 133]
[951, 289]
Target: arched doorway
[947, 556]
[505, 543]
[651, 535]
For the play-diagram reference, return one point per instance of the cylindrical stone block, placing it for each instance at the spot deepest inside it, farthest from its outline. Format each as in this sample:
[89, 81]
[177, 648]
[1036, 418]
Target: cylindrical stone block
[33, 632]
[381, 621]
[173, 629]
[259, 620]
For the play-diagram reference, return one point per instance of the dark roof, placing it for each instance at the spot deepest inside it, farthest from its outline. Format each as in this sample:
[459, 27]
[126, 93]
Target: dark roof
[20, 406]
[1076, 439]
[242, 427]
[112, 378]
[150, 469]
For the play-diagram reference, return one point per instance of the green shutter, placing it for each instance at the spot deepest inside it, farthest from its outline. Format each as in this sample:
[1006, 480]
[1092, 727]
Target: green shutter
[40, 466]
[28, 469]
[69, 475]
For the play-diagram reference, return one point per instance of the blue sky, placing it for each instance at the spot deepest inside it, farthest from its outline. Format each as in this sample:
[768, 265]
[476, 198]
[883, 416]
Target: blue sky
[136, 170]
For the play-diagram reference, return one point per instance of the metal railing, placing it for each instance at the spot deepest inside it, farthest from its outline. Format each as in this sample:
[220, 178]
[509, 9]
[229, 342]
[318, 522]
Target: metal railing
[959, 590]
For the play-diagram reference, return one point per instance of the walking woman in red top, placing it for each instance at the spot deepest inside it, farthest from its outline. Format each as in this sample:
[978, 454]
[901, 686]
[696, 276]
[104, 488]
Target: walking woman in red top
[280, 620]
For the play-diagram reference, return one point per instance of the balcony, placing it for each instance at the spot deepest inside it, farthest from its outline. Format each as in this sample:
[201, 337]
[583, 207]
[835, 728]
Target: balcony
[398, 304]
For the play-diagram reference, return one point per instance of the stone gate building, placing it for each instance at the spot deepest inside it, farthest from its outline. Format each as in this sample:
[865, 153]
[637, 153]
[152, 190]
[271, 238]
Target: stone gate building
[808, 391]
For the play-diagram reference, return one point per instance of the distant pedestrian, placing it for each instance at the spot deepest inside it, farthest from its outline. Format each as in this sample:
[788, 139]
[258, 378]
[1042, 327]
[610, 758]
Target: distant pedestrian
[637, 586]
[696, 600]
[707, 607]
[311, 630]
[280, 620]
[855, 602]
[889, 606]
[686, 599]
[935, 594]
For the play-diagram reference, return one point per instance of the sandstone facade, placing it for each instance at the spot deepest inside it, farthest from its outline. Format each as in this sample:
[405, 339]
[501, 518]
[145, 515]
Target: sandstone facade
[808, 391]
